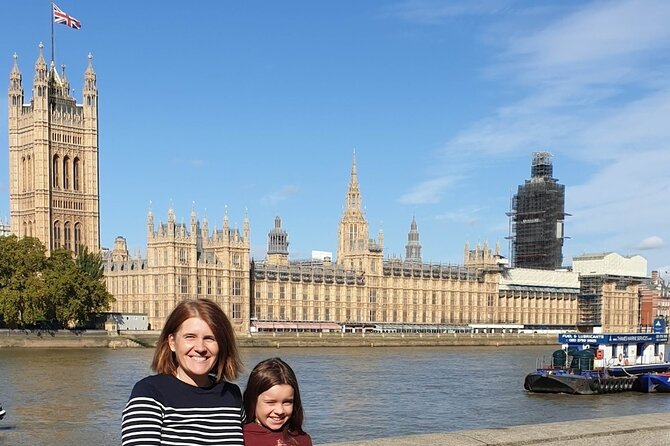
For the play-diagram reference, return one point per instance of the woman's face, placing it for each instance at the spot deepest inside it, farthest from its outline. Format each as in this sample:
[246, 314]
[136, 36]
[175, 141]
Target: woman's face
[196, 350]
[275, 406]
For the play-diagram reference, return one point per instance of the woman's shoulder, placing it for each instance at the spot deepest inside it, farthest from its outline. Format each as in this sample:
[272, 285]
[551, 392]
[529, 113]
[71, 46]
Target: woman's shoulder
[153, 385]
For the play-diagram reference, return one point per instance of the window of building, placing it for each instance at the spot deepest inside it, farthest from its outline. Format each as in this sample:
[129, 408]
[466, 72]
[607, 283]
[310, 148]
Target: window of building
[237, 310]
[57, 239]
[75, 174]
[209, 285]
[183, 284]
[68, 236]
[77, 237]
[237, 287]
[218, 287]
[66, 173]
[270, 293]
[55, 173]
[294, 292]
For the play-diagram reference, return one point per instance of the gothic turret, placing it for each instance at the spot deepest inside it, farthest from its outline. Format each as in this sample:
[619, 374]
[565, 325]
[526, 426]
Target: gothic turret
[413, 246]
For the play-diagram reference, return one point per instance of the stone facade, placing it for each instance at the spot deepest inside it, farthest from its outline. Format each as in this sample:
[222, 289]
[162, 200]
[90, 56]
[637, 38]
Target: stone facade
[182, 263]
[53, 159]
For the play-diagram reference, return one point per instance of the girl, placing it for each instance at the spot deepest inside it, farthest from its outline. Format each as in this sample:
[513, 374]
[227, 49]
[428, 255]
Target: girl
[273, 407]
[191, 399]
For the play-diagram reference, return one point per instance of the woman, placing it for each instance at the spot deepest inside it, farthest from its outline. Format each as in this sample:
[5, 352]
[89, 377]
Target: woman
[191, 399]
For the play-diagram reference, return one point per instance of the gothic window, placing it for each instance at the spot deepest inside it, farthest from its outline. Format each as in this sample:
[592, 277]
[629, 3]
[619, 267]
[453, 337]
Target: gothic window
[56, 169]
[67, 232]
[56, 234]
[184, 284]
[182, 255]
[77, 237]
[24, 172]
[66, 172]
[75, 174]
[237, 311]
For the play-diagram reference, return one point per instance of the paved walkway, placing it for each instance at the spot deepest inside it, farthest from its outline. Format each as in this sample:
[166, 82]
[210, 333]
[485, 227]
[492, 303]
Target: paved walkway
[635, 430]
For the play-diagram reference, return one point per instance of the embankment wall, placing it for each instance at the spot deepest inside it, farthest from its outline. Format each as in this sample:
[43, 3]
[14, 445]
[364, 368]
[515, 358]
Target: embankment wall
[66, 338]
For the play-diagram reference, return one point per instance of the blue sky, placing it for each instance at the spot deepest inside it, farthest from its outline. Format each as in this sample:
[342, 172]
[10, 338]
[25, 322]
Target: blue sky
[257, 107]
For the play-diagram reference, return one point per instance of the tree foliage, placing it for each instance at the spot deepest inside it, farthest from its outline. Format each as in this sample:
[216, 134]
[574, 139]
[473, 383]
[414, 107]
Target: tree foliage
[57, 289]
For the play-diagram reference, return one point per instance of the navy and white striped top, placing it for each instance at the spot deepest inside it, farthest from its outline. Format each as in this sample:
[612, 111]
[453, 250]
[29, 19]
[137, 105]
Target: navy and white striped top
[163, 410]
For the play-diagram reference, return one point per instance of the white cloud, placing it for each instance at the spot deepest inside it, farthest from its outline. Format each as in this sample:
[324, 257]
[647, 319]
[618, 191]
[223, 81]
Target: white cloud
[468, 216]
[653, 242]
[429, 191]
[283, 194]
[432, 11]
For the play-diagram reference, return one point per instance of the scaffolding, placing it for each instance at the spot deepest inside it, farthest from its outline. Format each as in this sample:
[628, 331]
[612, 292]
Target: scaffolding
[536, 218]
[590, 302]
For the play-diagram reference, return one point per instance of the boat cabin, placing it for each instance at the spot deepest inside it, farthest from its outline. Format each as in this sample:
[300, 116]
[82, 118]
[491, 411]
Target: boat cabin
[624, 349]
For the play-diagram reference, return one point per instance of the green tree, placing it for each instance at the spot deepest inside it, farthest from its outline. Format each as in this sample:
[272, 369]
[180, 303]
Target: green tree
[58, 289]
[90, 263]
[21, 283]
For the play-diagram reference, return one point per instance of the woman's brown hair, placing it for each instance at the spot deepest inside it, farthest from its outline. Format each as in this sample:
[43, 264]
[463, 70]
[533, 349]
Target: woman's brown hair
[269, 373]
[228, 364]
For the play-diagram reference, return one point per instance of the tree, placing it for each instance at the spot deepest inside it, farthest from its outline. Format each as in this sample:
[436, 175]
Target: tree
[90, 263]
[58, 289]
[21, 282]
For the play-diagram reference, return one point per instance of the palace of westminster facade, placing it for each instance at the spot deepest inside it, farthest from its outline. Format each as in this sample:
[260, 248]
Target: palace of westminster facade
[54, 196]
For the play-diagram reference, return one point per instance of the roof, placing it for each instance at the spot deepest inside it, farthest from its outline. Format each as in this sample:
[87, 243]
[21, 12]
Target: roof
[557, 280]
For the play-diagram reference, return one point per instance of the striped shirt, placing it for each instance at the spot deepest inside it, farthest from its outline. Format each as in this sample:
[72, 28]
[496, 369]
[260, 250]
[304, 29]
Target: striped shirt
[163, 410]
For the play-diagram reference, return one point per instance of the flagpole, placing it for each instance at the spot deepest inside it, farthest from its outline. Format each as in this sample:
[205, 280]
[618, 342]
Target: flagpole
[52, 32]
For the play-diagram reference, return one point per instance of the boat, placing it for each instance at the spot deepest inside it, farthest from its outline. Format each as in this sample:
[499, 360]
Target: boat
[2, 413]
[653, 383]
[597, 363]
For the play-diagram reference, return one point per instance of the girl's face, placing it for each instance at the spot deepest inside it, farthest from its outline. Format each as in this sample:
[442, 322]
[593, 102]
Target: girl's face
[196, 350]
[275, 406]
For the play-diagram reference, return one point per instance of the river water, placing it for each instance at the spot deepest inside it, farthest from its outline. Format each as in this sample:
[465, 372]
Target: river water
[75, 396]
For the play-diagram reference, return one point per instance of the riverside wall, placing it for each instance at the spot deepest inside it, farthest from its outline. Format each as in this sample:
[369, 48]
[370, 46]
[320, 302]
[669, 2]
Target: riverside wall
[638, 430]
[102, 339]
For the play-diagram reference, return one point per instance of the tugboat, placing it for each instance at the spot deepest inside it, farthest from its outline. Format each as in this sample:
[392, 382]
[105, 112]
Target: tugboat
[594, 363]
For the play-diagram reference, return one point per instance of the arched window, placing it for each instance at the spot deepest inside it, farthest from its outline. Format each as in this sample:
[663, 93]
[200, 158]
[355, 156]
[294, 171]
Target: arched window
[31, 173]
[56, 167]
[75, 174]
[24, 172]
[66, 172]
[77, 237]
[56, 234]
[25, 229]
[68, 236]
[30, 229]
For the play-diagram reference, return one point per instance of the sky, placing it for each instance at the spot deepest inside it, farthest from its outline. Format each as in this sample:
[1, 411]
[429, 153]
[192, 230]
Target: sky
[256, 108]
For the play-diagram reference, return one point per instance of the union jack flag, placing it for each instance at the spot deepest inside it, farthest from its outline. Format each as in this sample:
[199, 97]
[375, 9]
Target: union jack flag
[64, 18]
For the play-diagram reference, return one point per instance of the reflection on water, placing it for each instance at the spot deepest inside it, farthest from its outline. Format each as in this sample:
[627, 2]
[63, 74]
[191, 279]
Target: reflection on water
[75, 396]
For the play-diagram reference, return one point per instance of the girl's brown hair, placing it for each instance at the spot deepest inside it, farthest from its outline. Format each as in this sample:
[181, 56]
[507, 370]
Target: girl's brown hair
[267, 374]
[228, 364]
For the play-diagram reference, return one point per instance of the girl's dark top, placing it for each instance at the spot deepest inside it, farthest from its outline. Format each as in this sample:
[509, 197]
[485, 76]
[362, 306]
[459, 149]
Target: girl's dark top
[257, 435]
[162, 410]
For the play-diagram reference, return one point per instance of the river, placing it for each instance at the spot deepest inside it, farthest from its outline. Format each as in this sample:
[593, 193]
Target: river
[75, 396]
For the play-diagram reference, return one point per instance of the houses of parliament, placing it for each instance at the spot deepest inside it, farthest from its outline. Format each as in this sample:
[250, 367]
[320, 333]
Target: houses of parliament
[54, 196]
